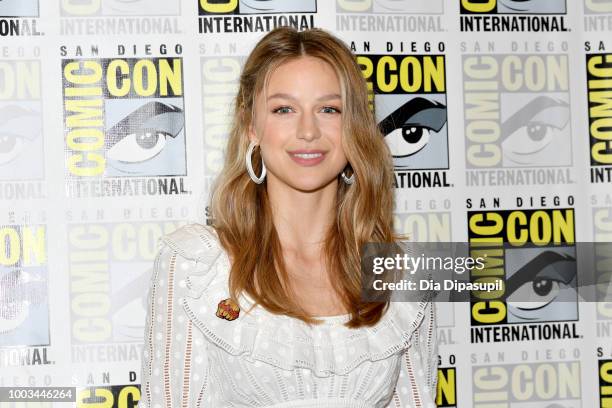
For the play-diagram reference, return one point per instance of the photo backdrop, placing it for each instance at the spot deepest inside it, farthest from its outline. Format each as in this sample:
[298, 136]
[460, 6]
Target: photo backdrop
[113, 120]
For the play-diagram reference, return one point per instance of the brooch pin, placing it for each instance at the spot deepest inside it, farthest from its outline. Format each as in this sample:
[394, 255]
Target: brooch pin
[228, 309]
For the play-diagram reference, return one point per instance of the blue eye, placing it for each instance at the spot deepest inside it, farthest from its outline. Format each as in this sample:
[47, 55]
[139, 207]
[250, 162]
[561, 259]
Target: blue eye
[282, 109]
[330, 109]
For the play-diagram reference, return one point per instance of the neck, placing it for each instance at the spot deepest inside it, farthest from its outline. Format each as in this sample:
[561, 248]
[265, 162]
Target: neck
[301, 218]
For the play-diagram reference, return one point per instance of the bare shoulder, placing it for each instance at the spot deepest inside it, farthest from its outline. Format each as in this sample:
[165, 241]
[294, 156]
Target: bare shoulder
[193, 241]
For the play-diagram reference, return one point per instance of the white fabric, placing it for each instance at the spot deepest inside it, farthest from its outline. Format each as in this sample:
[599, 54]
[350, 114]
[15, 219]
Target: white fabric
[192, 358]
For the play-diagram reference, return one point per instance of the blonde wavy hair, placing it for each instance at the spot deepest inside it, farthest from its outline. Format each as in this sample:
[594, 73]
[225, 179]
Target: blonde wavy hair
[240, 208]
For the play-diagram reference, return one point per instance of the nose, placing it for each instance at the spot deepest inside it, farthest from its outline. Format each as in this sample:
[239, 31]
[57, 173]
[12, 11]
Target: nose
[308, 127]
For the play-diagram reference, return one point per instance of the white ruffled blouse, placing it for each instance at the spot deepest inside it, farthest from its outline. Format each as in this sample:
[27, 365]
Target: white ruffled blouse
[192, 358]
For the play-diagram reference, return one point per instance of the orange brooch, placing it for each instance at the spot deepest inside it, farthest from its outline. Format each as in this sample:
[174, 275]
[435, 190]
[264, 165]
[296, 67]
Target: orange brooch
[228, 309]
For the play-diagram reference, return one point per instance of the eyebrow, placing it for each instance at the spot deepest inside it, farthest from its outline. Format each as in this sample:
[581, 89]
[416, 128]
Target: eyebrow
[281, 95]
[24, 127]
[138, 118]
[524, 115]
[409, 110]
[563, 264]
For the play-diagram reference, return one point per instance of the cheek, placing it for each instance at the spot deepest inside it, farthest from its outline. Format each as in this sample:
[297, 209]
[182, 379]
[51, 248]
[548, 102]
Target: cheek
[273, 140]
[339, 156]
[275, 131]
[332, 130]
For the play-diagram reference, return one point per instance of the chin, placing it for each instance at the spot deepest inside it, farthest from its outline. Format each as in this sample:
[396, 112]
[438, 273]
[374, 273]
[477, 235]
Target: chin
[310, 184]
[308, 187]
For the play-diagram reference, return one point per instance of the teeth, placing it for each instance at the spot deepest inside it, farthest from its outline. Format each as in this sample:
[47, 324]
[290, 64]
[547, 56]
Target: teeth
[308, 155]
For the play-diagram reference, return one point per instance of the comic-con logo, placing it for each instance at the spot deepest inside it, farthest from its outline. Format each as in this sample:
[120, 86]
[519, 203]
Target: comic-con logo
[240, 16]
[389, 15]
[21, 139]
[517, 118]
[599, 78]
[409, 100]
[553, 384]
[220, 77]
[109, 266]
[24, 301]
[513, 15]
[14, 19]
[125, 118]
[605, 383]
[532, 253]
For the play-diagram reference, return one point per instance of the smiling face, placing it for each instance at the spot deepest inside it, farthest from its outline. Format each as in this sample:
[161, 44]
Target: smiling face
[298, 125]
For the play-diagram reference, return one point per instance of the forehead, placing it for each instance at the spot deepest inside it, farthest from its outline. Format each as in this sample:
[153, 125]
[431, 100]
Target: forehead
[305, 71]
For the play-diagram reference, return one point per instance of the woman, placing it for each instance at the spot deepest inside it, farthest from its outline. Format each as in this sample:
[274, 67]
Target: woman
[265, 309]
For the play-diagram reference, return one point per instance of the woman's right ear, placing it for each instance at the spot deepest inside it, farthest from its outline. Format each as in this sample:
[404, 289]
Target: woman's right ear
[252, 135]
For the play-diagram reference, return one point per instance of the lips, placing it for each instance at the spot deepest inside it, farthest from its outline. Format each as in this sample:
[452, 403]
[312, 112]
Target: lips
[307, 157]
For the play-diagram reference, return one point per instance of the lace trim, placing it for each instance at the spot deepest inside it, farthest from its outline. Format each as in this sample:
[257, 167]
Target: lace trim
[289, 344]
[286, 343]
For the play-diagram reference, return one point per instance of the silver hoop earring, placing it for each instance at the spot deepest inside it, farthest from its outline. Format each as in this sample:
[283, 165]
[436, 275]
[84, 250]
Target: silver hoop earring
[348, 180]
[249, 166]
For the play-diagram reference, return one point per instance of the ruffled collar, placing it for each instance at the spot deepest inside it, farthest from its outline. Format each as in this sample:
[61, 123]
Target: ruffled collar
[326, 349]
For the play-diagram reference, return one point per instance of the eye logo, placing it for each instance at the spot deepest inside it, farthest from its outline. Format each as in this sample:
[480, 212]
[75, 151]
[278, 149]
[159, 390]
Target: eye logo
[21, 144]
[13, 139]
[20, 292]
[277, 6]
[513, 6]
[531, 6]
[408, 129]
[18, 8]
[145, 138]
[256, 6]
[537, 134]
[544, 287]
